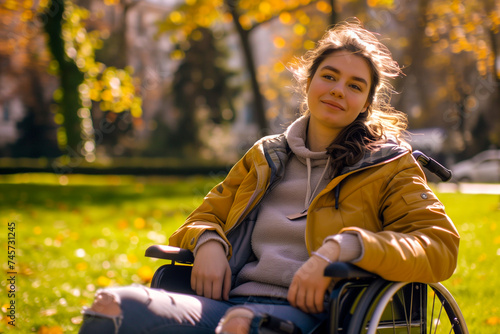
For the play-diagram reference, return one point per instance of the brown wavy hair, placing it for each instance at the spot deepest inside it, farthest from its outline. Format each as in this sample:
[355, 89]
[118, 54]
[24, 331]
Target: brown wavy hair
[381, 121]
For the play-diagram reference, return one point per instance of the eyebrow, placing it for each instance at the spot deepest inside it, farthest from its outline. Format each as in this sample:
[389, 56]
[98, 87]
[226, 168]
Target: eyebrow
[333, 69]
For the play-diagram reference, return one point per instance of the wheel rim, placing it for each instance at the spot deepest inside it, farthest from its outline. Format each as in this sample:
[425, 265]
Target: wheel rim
[398, 310]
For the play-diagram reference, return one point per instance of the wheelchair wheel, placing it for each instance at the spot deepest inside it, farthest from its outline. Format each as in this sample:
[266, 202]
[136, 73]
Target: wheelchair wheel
[409, 308]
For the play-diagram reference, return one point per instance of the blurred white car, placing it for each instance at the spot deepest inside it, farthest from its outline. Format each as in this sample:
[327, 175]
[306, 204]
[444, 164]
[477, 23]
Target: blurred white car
[482, 168]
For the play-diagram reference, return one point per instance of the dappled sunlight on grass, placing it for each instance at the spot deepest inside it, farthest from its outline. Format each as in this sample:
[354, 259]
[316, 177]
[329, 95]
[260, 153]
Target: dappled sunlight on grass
[74, 239]
[56, 179]
[92, 232]
[476, 279]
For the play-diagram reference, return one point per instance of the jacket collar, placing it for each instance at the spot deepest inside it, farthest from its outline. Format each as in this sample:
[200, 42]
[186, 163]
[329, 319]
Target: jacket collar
[384, 153]
[277, 152]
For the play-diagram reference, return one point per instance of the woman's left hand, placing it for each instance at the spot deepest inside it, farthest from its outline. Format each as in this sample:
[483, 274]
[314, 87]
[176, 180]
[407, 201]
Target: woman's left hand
[309, 285]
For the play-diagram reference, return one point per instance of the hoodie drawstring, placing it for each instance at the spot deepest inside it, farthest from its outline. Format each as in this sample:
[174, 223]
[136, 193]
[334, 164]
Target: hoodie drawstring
[309, 194]
[337, 195]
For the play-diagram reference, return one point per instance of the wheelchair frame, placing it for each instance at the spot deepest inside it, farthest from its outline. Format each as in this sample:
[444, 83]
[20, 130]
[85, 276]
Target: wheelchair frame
[369, 293]
[360, 302]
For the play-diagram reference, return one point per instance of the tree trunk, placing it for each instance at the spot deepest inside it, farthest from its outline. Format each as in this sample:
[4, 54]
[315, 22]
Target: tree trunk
[333, 15]
[69, 75]
[494, 37]
[258, 100]
[493, 113]
[418, 53]
[115, 50]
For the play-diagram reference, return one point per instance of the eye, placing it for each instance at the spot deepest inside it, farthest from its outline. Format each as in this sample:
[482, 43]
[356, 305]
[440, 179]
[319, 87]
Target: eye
[356, 87]
[329, 77]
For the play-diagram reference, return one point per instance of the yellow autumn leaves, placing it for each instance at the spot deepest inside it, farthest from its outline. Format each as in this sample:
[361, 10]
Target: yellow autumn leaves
[114, 88]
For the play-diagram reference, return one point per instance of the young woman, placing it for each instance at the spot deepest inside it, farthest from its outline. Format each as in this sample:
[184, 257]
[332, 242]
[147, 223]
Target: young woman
[338, 185]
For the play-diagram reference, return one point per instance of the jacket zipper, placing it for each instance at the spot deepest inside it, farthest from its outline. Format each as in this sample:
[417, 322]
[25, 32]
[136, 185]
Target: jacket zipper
[242, 217]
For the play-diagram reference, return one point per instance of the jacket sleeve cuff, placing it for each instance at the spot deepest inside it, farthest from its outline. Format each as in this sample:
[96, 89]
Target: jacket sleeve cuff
[351, 247]
[208, 236]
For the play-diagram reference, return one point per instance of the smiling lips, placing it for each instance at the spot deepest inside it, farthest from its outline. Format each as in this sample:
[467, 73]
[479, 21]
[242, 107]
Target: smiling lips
[333, 104]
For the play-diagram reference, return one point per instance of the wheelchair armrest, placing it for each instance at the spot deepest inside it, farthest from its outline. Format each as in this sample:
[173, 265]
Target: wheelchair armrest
[170, 253]
[336, 269]
[347, 270]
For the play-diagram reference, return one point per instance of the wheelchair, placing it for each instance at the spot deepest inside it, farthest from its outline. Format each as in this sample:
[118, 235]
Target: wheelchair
[360, 301]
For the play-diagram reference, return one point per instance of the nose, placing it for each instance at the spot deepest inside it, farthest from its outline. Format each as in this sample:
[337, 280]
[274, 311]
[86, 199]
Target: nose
[337, 91]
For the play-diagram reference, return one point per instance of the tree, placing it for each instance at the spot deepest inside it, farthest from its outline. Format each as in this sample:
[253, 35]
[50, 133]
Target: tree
[70, 78]
[468, 32]
[201, 83]
[23, 63]
[416, 53]
[246, 16]
[447, 49]
[82, 79]
[114, 51]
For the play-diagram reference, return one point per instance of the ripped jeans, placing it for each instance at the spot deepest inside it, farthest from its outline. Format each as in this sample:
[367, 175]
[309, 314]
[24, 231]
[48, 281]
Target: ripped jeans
[153, 311]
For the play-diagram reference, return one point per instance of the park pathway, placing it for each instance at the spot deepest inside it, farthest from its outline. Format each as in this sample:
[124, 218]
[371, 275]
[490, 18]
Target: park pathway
[470, 188]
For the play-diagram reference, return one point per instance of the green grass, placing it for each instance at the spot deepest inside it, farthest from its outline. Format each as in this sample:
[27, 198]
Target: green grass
[91, 232]
[476, 282]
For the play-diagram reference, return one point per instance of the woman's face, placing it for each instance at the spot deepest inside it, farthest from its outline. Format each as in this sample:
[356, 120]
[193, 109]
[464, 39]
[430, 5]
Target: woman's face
[338, 91]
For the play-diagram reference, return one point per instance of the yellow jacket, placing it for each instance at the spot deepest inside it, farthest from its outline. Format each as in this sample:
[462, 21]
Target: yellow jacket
[384, 199]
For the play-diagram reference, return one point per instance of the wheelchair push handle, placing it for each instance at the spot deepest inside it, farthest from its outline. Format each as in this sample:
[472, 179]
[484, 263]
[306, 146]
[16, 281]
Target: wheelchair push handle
[433, 166]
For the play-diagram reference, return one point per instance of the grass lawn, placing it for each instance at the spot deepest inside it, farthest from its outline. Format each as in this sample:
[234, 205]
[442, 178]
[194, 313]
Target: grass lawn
[92, 231]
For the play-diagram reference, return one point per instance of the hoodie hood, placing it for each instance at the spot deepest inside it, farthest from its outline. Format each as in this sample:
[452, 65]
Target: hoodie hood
[296, 136]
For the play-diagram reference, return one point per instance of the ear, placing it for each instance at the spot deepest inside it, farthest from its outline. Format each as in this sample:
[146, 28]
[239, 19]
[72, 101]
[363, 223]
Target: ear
[308, 84]
[367, 105]
[365, 108]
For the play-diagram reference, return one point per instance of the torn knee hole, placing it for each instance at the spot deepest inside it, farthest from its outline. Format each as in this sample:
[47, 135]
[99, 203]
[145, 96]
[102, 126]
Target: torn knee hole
[236, 321]
[107, 304]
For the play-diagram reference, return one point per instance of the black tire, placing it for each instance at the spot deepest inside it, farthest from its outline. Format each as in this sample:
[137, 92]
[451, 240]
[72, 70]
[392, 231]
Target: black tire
[410, 308]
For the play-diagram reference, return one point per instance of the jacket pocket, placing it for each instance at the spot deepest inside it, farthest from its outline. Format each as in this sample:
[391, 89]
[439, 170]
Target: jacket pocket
[414, 197]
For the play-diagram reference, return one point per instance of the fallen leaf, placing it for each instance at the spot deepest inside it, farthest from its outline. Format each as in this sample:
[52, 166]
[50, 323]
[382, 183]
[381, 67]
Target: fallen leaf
[103, 281]
[145, 273]
[81, 266]
[139, 223]
[50, 330]
[492, 321]
[122, 224]
[132, 258]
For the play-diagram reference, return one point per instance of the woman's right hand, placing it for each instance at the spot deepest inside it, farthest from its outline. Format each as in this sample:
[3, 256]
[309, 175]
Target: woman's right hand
[211, 275]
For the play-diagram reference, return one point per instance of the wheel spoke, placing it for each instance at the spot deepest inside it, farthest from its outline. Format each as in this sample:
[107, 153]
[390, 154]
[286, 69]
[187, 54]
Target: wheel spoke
[403, 302]
[439, 316]
[393, 317]
[404, 307]
[422, 308]
[408, 323]
[432, 312]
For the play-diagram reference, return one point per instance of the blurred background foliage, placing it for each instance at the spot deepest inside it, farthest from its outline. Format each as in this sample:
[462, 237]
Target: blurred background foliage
[86, 83]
